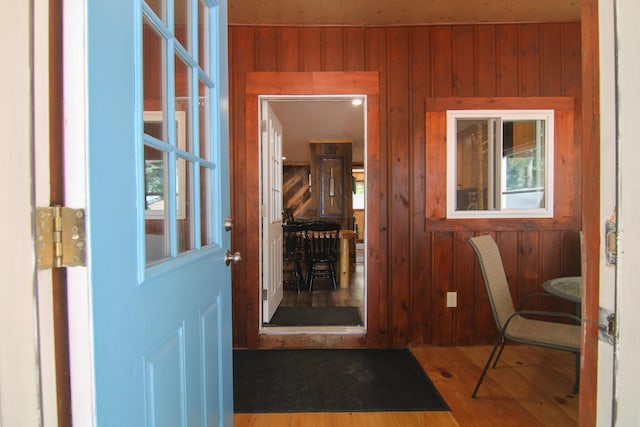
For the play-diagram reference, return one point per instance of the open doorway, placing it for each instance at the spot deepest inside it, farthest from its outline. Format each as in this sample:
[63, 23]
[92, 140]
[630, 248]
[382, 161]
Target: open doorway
[319, 135]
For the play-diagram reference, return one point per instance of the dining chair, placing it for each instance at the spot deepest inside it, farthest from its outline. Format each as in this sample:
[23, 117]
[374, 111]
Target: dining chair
[287, 216]
[512, 324]
[294, 240]
[322, 252]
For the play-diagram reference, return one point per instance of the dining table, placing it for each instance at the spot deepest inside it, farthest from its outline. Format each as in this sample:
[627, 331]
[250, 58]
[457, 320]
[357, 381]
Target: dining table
[569, 288]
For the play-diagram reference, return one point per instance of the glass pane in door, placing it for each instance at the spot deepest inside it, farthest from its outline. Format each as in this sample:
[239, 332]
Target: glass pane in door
[155, 197]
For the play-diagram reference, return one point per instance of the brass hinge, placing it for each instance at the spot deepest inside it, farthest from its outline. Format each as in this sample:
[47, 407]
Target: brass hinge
[611, 244]
[60, 234]
[611, 325]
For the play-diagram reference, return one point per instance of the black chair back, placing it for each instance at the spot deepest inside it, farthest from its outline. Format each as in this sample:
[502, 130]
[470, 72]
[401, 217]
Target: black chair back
[322, 251]
[294, 242]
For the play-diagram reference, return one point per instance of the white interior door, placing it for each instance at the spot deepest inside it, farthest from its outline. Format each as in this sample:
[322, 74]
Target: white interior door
[146, 152]
[271, 143]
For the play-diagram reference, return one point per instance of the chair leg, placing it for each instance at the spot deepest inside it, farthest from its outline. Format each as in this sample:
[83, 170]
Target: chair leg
[309, 275]
[576, 386]
[298, 274]
[486, 366]
[332, 272]
[495, 362]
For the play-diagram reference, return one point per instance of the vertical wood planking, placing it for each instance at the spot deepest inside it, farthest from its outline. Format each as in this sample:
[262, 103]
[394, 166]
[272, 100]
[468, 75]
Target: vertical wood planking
[463, 284]
[550, 36]
[571, 253]
[416, 266]
[443, 316]
[529, 60]
[551, 264]
[420, 242]
[241, 60]
[398, 154]
[463, 61]
[441, 61]
[310, 49]
[436, 154]
[288, 49]
[332, 49]
[485, 60]
[571, 59]
[567, 186]
[266, 56]
[528, 266]
[354, 50]
[379, 317]
[507, 60]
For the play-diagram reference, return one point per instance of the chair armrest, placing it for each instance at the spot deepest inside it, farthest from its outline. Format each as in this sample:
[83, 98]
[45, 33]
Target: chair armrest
[548, 313]
[538, 313]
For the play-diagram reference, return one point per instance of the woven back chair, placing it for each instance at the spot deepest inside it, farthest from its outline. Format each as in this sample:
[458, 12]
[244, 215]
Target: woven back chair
[512, 323]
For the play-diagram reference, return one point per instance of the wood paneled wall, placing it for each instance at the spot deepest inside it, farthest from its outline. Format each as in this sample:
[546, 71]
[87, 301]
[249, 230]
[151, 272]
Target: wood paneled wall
[421, 261]
[295, 191]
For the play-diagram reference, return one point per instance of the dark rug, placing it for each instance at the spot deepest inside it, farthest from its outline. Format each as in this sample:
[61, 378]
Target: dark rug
[316, 316]
[331, 380]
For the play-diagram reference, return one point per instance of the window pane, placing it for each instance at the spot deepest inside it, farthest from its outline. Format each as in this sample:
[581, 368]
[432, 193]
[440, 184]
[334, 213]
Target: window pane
[182, 21]
[183, 104]
[203, 111]
[499, 163]
[523, 164]
[472, 164]
[155, 185]
[153, 82]
[206, 217]
[159, 7]
[183, 202]
[203, 36]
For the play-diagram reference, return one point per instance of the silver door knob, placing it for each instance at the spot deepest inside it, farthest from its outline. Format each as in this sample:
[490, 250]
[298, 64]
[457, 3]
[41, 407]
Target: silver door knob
[228, 223]
[229, 256]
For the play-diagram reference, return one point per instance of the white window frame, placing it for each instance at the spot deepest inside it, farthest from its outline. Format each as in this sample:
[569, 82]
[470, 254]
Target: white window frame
[181, 177]
[504, 115]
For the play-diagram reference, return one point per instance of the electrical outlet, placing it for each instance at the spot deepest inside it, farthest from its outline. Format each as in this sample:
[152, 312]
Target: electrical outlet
[452, 299]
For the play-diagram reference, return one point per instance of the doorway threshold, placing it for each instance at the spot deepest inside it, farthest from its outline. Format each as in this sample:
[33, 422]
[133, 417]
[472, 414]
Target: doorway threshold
[313, 330]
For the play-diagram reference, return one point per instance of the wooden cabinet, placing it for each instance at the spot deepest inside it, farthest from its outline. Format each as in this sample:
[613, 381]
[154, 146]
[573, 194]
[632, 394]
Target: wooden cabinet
[331, 181]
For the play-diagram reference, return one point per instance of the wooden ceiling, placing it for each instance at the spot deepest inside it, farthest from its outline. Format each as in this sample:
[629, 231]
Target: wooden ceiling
[399, 12]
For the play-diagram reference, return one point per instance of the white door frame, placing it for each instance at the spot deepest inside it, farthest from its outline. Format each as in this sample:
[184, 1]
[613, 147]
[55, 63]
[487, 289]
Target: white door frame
[266, 330]
[607, 204]
[626, 410]
[75, 58]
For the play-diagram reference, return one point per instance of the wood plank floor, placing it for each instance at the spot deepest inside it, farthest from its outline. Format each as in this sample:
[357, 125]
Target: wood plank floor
[530, 386]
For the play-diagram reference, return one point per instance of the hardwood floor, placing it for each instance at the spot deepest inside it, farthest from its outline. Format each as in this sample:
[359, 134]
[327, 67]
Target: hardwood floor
[323, 294]
[531, 386]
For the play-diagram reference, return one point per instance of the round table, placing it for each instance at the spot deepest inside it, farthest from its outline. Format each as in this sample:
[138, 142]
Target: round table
[569, 288]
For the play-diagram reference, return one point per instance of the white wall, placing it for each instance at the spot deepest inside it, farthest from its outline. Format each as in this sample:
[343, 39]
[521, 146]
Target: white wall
[19, 372]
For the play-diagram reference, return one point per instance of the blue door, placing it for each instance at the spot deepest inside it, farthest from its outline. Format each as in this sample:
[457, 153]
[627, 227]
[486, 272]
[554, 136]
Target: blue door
[158, 182]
